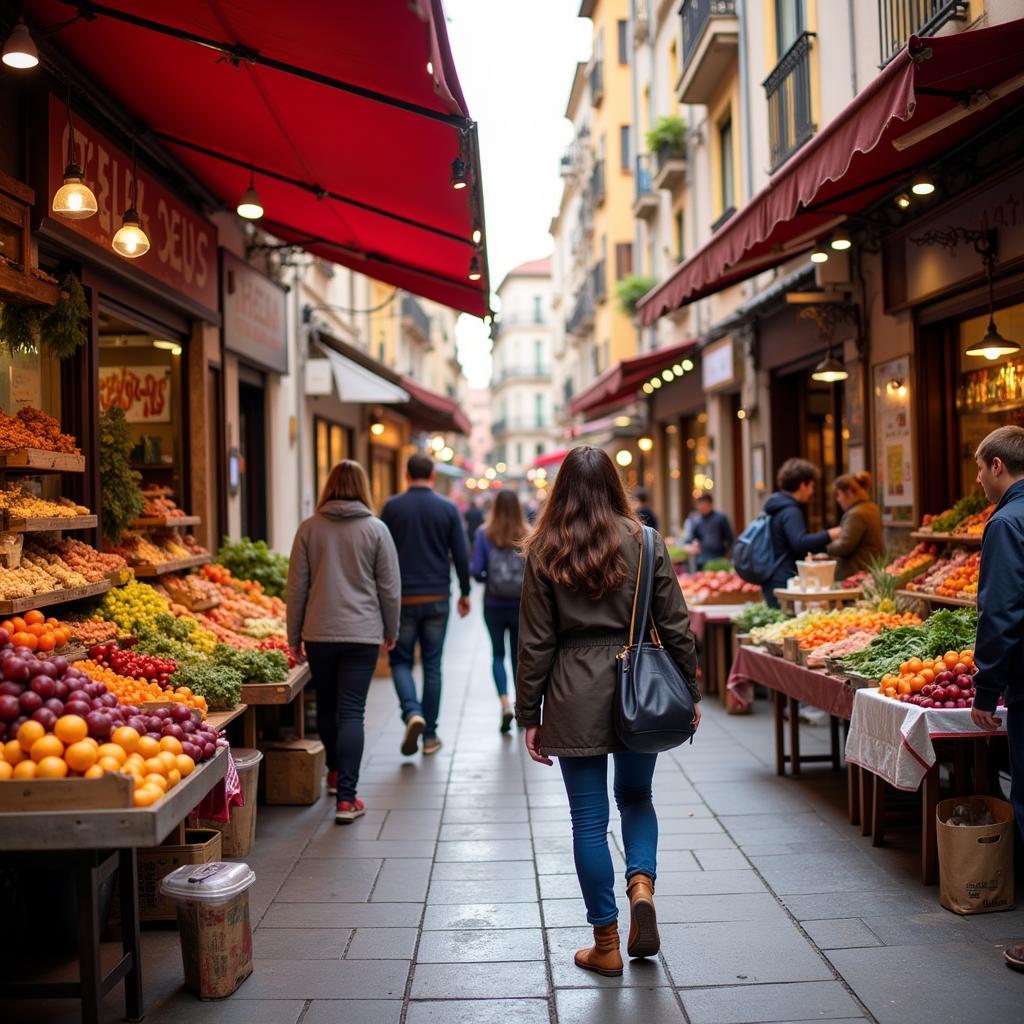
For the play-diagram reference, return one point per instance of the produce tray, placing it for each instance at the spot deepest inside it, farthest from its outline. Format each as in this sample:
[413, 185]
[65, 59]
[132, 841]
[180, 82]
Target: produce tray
[50, 524]
[772, 648]
[158, 522]
[112, 791]
[277, 693]
[951, 602]
[194, 606]
[903, 578]
[72, 652]
[859, 682]
[119, 577]
[24, 604]
[945, 538]
[42, 461]
[175, 565]
[791, 649]
[744, 640]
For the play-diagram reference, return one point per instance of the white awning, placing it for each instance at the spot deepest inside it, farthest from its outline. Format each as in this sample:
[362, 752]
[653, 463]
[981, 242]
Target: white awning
[355, 383]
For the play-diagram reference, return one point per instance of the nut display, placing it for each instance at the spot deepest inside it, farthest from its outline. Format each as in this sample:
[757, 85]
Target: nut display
[21, 504]
[33, 428]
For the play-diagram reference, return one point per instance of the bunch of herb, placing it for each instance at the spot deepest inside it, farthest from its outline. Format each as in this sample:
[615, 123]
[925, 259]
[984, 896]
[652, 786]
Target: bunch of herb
[758, 614]
[19, 327]
[254, 560]
[121, 499]
[968, 505]
[221, 686]
[254, 666]
[64, 326]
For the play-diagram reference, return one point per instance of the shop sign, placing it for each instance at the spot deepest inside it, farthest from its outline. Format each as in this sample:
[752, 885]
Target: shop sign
[894, 451]
[931, 270]
[183, 244]
[144, 392]
[718, 368]
[254, 315]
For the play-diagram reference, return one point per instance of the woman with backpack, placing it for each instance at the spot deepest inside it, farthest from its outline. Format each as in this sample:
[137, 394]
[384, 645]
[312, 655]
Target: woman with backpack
[579, 600]
[498, 564]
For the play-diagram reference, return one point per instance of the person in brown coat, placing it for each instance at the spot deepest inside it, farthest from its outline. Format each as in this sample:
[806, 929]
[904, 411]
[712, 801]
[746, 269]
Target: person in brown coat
[858, 537]
[581, 570]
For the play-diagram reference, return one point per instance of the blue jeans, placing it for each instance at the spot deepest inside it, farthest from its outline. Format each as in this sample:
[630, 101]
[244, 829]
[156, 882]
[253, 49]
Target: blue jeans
[586, 783]
[341, 674]
[425, 624]
[499, 620]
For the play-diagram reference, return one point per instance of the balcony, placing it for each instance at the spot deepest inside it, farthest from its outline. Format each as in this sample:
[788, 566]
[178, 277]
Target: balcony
[582, 316]
[788, 89]
[670, 165]
[414, 316]
[645, 204]
[597, 189]
[519, 425]
[583, 230]
[597, 83]
[597, 281]
[711, 34]
[898, 20]
[512, 374]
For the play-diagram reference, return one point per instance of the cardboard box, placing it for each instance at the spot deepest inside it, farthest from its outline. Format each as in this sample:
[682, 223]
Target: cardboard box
[293, 771]
[201, 846]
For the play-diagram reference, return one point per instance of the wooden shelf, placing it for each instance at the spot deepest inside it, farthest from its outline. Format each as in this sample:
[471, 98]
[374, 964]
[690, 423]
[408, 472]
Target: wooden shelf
[175, 565]
[161, 522]
[944, 538]
[50, 524]
[277, 693]
[220, 719]
[952, 602]
[24, 604]
[40, 461]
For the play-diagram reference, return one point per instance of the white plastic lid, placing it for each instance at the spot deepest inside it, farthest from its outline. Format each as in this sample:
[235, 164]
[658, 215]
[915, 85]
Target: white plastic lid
[208, 883]
[246, 757]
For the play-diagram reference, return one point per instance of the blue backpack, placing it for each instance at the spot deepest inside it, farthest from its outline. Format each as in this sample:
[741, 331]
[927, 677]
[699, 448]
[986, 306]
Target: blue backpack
[753, 554]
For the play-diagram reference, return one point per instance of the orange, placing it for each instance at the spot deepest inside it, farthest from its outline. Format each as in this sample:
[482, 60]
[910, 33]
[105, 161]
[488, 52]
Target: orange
[47, 642]
[154, 764]
[81, 757]
[146, 796]
[171, 743]
[8, 625]
[71, 729]
[34, 618]
[29, 732]
[159, 781]
[126, 738]
[52, 768]
[25, 639]
[46, 746]
[173, 778]
[185, 764]
[25, 769]
[905, 686]
[18, 623]
[147, 746]
[13, 752]
[95, 772]
[169, 760]
[6, 771]
[114, 751]
[109, 764]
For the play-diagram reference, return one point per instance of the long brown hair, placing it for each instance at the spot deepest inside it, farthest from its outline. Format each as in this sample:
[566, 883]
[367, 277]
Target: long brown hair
[857, 486]
[347, 482]
[505, 526]
[576, 540]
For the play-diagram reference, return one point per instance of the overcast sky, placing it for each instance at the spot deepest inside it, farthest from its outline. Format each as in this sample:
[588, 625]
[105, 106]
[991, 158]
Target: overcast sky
[515, 62]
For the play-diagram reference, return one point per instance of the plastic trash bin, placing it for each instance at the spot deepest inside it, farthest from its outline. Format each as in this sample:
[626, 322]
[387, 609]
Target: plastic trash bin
[239, 834]
[212, 902]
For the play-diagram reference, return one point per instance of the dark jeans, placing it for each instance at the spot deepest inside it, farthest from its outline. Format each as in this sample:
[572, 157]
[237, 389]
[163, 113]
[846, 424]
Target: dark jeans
[586, 783]
[341, 675]
[1014, 715]
[501, 620]
[425, 624]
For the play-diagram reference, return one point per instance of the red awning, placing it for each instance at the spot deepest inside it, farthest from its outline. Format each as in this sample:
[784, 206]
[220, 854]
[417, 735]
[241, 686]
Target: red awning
[935, 94]
[351, 138]
[550, 458]
[618, 385]
[431, 411]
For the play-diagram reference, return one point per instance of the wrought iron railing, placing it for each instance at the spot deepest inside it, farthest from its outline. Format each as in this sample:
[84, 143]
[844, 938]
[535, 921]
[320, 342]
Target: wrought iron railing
[898, 20]
[596, 82]
[788, 87]
[597, 276]
[583, 311]
[696, 14]
[597, 182]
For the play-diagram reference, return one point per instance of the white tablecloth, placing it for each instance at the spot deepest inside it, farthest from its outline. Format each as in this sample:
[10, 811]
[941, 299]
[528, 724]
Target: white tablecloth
[894, 739]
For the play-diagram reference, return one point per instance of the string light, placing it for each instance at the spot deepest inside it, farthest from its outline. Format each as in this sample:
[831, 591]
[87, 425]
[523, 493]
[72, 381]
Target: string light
[840, 242]
[687, 365]
[377, 429]
[645, 444]
[819, 255]
[624, 457]
[922, 186]
[903, 200]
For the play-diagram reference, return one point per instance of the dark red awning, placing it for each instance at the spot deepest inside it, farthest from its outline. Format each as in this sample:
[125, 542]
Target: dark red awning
[431, 411]
[550, 458]
[899, 125]
[619, 384]
[335, 98]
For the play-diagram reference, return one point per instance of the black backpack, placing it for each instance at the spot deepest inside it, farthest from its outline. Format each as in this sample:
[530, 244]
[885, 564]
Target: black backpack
[505, 569]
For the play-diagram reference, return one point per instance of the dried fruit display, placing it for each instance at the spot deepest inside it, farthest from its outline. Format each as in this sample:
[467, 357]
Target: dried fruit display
[916, 559]
[92, 631]
[21, 504]
[157, 547]
[33, 428]
[191, 590]
[154, 505]
[956, 576]
[974, 526]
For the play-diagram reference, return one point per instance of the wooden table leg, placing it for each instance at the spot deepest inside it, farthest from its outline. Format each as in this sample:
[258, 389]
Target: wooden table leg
[833, 738]
[853, 793]
[780, 739]
[131, 939]
[249, 727]
[929, 838]
[794, 734]
[90, 968]
[878, 811]
[299, 711]
[865, 789]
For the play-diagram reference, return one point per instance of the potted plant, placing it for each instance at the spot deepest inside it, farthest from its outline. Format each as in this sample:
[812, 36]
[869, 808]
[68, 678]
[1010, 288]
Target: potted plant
[666, 139]
[631, 289]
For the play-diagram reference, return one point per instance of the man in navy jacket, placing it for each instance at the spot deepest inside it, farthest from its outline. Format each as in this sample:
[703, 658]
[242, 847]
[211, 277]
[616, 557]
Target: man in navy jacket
[999, 647]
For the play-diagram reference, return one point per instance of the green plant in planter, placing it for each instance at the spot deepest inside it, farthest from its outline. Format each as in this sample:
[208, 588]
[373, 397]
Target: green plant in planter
[668, 133]
[121, 499]
[631, 289]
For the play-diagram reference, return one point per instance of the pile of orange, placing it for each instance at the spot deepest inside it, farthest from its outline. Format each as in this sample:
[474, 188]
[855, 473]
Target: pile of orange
[155, 766]
[36, 632]
[129, 690]
[962, 582]
[839, 625]
[916, 673]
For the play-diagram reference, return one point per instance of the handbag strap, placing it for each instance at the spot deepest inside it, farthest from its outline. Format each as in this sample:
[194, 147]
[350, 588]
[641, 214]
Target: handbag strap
[644, 588]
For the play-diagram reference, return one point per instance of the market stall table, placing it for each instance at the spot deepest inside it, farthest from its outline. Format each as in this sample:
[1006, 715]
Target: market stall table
[222, 719]
[94, 844]
[712, 625]
[832, 599]
[893, 741]
[263, 694]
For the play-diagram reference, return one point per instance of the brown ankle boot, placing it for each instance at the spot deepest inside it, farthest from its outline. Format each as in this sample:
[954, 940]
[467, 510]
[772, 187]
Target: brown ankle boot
[604, 956]
[643, 924]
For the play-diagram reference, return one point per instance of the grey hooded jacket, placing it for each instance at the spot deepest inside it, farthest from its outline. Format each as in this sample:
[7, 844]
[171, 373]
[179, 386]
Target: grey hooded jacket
[343, 578]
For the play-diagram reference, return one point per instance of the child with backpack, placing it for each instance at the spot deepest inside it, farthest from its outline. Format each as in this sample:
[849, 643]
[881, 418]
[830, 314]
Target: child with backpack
[498, 564]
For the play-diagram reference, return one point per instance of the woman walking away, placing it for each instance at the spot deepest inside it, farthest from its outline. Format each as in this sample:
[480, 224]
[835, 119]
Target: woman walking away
[498, 564]
[578, 591]
[344, 601]
[858, 537]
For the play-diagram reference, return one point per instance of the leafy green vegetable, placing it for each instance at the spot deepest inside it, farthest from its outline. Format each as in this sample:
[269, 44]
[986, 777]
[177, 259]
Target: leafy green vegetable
[718, 565]
[254, 560]
[968, 505]
[64, 326]
[121, 499]
[253, 666]
[220, 685]
[757, 615]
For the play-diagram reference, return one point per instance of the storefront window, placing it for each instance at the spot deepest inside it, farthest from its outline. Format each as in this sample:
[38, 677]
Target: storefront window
[333, 442]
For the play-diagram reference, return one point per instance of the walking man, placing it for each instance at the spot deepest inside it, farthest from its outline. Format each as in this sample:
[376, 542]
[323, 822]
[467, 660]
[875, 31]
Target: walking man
[709, 532]
[999, 647]
[428, 534]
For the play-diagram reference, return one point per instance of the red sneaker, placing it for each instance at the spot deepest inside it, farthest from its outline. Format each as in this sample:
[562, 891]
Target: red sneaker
[332, 783]
[347, 811]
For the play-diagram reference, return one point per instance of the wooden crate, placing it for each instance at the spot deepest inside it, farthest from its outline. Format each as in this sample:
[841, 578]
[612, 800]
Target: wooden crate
[175, 565]
[50, 524]
[24, 604]
[41, 460]
[109, 793]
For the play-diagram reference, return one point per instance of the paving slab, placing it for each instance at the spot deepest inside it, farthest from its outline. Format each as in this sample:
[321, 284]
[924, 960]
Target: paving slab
[382, 944]
[300, 943]
[483, 945]
[440, 917]
[759, 1004]
[479, 981]
[618, 1005]
[478, 1011]
[564, 942]
[511, 890]
[326, 979]
[841, 933]
[353, 1011]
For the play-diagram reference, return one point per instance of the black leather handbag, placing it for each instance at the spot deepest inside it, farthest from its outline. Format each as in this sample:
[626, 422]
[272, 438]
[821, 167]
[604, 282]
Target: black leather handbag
[654, 710]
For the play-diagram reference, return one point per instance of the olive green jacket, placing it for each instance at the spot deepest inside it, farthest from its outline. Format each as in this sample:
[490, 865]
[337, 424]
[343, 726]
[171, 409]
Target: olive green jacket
[567, 674]
[859, 540]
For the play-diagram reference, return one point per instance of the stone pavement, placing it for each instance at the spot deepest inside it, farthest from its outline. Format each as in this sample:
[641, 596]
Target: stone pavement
[454, 899]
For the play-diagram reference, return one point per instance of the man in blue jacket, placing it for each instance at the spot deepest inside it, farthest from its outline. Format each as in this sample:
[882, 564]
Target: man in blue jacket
[796, 479]
[428, 534]
[999, 646]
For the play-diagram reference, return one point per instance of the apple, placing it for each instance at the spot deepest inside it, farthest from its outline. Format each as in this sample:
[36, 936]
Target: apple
[949, 703]
[30, 701]
[55, 705]
[77, 707]
[10, 708]
[11, 689]
[45, 686]
[46, 718]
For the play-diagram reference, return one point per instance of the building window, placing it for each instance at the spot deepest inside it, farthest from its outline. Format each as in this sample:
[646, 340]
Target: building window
[623, 42]
[623, 259]
[789, 23]
[332, 442]
[540, 449]
[680, 237]
[538, 410]
[519, 453]
[727, 174]
[538, 356]
[624, 161]
[538, 309]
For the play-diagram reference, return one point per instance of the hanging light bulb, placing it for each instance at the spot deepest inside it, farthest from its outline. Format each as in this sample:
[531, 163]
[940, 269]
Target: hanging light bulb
[130, 240]
[840, 242]
[74, 199]
[645, 444]
[668, 376]
[460, 177]
[922, 186]
[20, 51]
[477, 234]
[993, 345]
[249, 206]
[474, 268]
[819, 255]
[903, 200]
[829, 371]
[687, 365]
[648, 390]
[624, 457]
